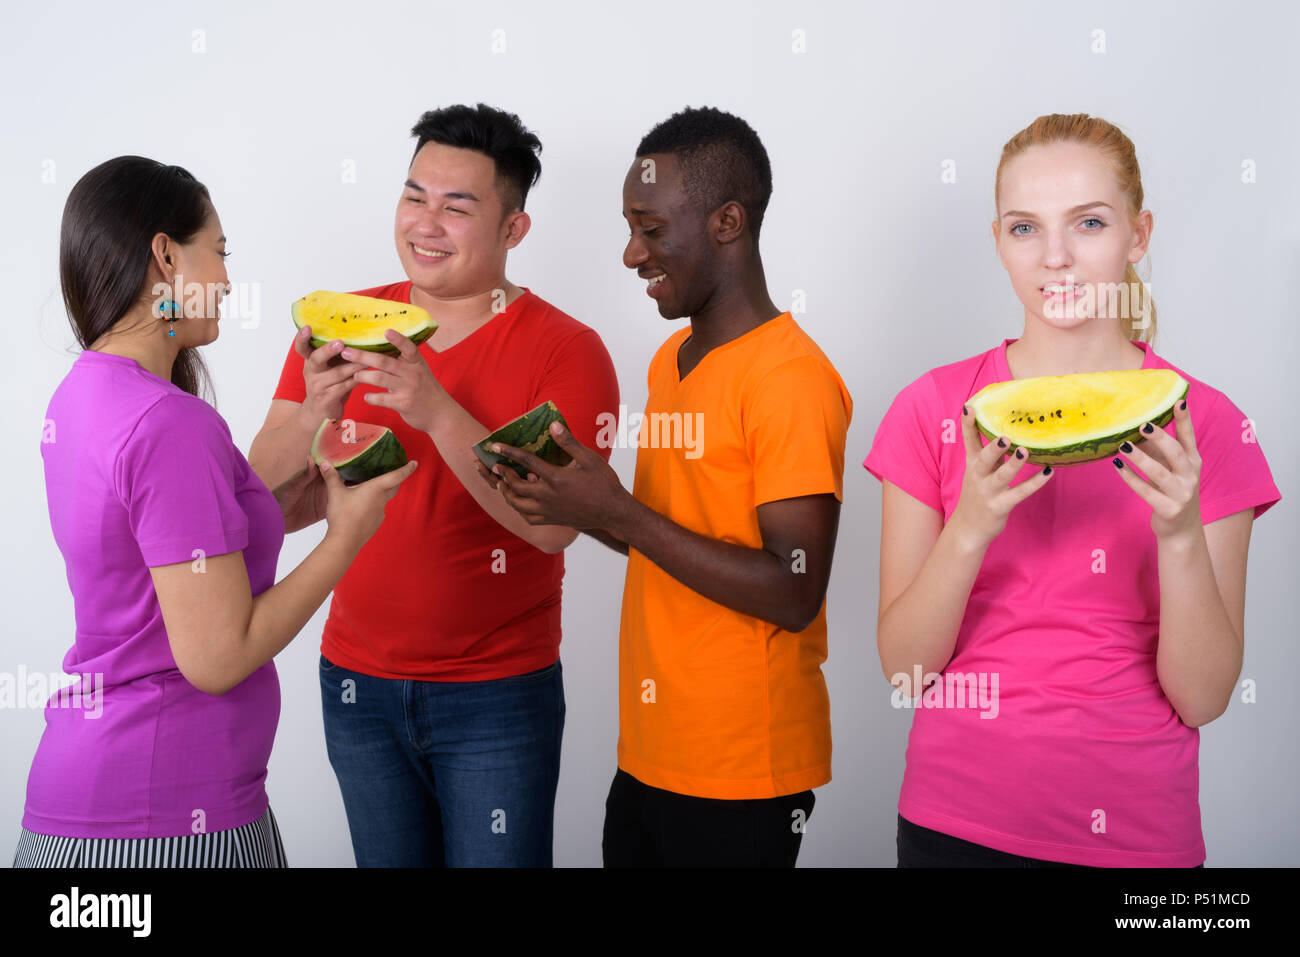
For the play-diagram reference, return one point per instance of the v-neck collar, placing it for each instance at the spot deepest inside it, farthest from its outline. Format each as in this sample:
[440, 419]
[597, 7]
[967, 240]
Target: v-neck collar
[509, 310]
[681, 379]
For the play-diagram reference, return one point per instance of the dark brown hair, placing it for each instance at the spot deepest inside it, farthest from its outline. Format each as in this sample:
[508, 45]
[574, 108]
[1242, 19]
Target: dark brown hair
[109, 222]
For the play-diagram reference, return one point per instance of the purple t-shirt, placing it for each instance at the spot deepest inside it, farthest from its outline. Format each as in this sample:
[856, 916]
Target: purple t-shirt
[139, 473]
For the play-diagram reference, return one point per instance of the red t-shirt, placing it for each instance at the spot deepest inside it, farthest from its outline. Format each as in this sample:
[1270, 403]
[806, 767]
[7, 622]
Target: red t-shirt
[430, 596]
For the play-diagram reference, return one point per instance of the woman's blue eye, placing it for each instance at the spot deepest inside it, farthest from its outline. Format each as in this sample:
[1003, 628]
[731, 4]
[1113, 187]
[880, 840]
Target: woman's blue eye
[1094, 219]
[1016, 227]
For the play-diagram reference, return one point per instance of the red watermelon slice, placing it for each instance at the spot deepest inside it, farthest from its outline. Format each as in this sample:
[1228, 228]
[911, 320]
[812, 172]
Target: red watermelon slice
[358, 451]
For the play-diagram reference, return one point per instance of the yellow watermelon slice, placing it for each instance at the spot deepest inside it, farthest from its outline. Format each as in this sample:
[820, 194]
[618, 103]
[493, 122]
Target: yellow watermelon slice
[360, 321]
[1072, 419]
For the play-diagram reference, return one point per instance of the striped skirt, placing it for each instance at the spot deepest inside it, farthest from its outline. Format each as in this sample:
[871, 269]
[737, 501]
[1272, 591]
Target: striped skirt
[253, 845]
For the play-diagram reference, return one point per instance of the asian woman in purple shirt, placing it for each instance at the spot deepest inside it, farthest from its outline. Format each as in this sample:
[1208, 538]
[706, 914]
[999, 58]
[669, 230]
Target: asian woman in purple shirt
[170, 543]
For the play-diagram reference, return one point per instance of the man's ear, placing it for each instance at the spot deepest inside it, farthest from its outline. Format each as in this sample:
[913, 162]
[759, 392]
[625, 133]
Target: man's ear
[517, 225]
[729, 222]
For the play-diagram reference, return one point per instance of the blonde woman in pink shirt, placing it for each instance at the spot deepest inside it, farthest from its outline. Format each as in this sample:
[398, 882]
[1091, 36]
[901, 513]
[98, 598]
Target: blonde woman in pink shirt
[1096, 613]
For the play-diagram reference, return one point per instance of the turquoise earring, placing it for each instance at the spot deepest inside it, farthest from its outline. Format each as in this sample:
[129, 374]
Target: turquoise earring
[171, 306]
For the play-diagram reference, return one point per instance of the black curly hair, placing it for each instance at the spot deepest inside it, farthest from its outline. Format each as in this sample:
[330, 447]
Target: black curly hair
[721, 158]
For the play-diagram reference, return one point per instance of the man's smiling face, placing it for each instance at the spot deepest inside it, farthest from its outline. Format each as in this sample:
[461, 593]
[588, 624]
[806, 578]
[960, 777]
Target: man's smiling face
[452, 231]
[668, 244]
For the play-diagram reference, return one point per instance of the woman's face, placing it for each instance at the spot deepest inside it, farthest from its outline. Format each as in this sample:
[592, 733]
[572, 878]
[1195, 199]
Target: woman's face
[1065, 236]
[199, 283]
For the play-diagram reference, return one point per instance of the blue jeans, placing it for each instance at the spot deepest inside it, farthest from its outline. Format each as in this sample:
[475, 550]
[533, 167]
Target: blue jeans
[446, 773]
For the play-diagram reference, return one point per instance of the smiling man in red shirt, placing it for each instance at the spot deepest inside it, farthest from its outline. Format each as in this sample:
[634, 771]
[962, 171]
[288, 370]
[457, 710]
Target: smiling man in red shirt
[440, 676]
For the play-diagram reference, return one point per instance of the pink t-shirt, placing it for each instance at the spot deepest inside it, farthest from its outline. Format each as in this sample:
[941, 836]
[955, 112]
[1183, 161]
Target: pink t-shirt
[139, 473]
[1074, 754]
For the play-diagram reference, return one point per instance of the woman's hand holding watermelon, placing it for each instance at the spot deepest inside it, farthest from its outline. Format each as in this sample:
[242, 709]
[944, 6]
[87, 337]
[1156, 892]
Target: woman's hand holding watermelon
[303, 498]
[355, 512]
[986, 496]
[1173, 469]
[328, 379]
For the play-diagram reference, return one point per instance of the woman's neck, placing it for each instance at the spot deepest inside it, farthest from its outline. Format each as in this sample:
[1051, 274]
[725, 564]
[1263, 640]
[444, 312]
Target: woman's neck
[138, 336]
[1044, 351]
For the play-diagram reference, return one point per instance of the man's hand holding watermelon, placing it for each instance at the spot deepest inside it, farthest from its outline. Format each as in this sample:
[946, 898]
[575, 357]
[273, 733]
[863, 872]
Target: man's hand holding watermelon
[327, 378]
[414, 392]
[585, 494]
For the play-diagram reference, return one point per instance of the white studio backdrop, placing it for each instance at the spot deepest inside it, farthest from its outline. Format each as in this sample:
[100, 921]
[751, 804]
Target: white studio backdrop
[297, 118]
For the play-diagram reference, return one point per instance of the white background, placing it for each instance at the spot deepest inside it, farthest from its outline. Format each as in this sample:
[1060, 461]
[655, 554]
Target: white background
[898, 268]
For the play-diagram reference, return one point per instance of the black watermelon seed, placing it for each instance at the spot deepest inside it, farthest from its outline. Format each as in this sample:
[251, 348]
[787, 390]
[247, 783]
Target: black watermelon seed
[1041, 417]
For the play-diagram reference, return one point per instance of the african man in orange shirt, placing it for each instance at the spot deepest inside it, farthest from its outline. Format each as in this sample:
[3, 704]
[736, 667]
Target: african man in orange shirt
[724, 717]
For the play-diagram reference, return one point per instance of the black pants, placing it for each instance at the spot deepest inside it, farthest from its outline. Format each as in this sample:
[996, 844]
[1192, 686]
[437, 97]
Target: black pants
[650, 827]
[921, 847]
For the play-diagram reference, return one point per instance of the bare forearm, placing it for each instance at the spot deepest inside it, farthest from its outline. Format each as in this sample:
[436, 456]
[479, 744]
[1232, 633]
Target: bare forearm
[752, 581]
[276, 455]
[606, 538]
[1199, 655]
[920, 626]
[454, 437]
[283, 610]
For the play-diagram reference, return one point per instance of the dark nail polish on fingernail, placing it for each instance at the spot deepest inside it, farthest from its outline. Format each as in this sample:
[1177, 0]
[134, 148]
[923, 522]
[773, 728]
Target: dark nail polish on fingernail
[965, 411]
[1047, 471]
[1020, 453]
[1126, 447]
[1002, 443]
[1148, 428]
[1184, 405]
[1119, 463]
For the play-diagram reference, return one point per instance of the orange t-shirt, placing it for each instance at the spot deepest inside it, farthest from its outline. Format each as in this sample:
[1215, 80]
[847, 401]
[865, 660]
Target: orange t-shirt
[443, 592]
[715, 703]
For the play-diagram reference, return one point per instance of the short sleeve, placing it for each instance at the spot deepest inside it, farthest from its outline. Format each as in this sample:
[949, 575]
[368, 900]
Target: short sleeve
[902, 451]
[177, 477]
[580, 379]
[291, 385]
[796, 422]
[1234, 473]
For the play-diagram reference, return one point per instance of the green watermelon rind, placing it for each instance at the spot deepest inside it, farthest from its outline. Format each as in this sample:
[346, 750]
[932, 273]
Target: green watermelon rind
[387, 348]
[533, 425]
[1094, 450]
[381, 456]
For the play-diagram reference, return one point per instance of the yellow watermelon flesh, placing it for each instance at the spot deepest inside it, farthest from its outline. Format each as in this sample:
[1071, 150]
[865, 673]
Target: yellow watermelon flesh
[1073, 419]
[360, 321]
